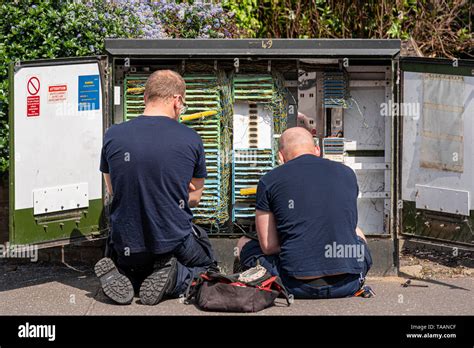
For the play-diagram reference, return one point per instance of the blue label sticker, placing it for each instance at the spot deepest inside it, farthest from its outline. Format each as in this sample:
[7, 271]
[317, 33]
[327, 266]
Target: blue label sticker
[89, 88]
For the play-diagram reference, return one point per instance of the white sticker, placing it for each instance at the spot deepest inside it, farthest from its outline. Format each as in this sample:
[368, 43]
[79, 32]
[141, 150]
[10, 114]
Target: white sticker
[116, 95]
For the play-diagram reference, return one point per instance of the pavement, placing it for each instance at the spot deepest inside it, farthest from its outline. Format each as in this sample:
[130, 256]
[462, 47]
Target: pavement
[53, 289]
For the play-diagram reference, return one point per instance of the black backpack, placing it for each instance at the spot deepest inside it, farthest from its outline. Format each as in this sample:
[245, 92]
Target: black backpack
[249, 291]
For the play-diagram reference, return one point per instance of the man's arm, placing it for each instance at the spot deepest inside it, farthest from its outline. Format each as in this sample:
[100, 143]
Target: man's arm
[267, 233]
[196, 186]
[360, 234]
[108, 183]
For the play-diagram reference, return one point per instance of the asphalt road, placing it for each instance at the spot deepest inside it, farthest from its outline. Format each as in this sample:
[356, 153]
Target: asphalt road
[45, 289]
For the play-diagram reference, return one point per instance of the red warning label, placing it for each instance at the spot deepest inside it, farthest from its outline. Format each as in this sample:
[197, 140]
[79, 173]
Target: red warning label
[33, 106]
[33, 99]
[57, 93]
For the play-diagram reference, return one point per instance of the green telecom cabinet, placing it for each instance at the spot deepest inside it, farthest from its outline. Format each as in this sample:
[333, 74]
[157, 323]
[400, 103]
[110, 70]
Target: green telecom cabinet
[404, 125]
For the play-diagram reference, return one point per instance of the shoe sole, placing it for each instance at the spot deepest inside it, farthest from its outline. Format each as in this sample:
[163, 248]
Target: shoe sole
[155, 285]
[115, 285]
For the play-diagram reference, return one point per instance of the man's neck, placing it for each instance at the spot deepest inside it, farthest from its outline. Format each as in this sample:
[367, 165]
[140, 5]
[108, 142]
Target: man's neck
[157, 111]
[299, 154]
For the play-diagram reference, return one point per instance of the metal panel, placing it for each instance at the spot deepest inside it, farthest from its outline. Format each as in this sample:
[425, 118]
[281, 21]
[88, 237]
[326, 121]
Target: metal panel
[307, 102]
[74, 136]
[463, 67]
[252, 126]
[199, 48]
[442, 123]
[368, 137]
[58, 147]
[442, 200]
[249, 165]
[202, 94]
[362, 120]
[60, 198]
[437, 203]
[412, 172]
[133, 105]
[335, 84]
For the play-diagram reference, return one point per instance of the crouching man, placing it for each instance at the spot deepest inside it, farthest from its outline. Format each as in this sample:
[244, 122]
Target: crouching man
[155, 168]
[306, 221]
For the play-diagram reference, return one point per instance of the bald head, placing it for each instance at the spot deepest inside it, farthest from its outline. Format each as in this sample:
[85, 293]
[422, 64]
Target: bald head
[295, 142]
[162, 85]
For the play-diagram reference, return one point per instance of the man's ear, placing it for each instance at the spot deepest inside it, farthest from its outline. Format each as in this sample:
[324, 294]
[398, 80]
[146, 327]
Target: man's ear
[317, 151]
[145, 98]
[281, 158]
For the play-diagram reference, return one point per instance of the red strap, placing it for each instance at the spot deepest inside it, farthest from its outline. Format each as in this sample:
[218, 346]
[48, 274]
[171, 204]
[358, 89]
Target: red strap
[205, 276]
[268, 283]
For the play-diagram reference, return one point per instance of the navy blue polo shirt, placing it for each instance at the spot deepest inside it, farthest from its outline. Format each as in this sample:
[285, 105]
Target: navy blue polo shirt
[151, 160]
[314, 201]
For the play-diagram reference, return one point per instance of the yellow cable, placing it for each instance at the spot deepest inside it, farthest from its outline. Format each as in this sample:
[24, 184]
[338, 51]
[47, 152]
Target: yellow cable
[248, 191]
[198, 115]
[135, 90]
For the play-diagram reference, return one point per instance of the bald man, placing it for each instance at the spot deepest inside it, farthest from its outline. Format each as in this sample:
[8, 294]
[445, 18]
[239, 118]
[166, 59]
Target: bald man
[306, 221]
[155, 168]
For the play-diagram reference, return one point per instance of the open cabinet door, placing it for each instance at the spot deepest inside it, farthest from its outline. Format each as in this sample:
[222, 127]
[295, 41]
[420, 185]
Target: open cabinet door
[57, 110]
[438, 149]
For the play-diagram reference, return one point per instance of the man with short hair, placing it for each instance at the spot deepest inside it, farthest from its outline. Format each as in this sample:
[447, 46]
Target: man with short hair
[155, 168]
[306, 221]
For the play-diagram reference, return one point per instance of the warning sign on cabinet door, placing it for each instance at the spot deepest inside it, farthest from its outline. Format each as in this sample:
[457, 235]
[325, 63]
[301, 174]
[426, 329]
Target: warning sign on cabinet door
[57, 93]
[33, 99]
[33, 106]
[33, 85]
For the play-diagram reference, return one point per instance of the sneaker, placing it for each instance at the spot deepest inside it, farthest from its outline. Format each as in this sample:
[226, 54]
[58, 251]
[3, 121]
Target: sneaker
[115, 285]
[160, 283]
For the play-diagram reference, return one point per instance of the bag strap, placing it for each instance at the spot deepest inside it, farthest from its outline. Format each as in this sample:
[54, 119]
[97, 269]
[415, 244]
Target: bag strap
[283, 290]
[193, 287]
